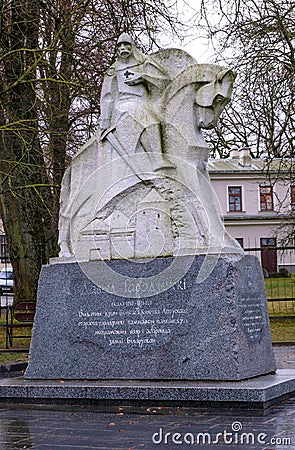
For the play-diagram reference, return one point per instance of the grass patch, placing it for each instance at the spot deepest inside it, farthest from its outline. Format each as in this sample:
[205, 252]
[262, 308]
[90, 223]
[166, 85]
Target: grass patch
[8, 358]
[281, 308]
[282, 330]
[280, 287]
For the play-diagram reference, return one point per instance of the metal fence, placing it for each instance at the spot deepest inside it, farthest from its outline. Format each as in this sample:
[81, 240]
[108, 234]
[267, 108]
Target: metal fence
[278, 264]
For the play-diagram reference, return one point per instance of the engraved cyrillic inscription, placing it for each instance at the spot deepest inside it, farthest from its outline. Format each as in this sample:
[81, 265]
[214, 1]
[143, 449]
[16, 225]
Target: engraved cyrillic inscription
[251, 316]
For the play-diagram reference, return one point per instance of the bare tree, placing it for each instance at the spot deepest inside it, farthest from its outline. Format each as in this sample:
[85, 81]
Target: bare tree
[257, 39]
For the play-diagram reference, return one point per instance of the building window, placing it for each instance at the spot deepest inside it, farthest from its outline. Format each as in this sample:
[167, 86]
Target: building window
[266, 198]
[240, 241]
[292, 195]
[235, 198]
[268, 242]
[4, 257]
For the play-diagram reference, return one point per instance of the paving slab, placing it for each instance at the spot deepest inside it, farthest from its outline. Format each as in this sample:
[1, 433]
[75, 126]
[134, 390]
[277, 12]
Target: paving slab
[83, 428]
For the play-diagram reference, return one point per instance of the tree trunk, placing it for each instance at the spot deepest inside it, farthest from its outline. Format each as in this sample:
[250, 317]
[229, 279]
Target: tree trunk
[25, 195]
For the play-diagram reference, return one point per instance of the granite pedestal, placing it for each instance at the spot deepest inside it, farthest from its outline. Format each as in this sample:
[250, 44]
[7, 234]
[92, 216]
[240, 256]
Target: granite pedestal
[214, 330]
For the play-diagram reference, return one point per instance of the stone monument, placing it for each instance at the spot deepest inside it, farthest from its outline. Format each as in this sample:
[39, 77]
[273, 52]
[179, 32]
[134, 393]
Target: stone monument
[148, 284]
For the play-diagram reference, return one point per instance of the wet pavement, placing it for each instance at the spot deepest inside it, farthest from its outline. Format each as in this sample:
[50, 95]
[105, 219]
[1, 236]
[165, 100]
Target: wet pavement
[77, 427]
[86, 428]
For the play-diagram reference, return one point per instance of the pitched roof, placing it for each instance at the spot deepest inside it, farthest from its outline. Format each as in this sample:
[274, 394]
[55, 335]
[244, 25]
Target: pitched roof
[232, 165]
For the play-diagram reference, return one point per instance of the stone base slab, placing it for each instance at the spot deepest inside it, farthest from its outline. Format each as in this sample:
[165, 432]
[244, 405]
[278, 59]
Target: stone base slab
[259, 392]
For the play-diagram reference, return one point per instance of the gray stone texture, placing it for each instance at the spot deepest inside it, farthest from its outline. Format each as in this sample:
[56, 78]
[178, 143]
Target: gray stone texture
[214, 330]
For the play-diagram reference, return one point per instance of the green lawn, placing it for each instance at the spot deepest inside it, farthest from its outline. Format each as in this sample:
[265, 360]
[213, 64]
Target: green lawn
[280, 287]
[8, 358]
[282, 330]
[282, 308]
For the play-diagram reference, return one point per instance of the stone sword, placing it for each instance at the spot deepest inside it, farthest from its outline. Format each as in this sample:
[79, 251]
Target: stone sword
[111, 138]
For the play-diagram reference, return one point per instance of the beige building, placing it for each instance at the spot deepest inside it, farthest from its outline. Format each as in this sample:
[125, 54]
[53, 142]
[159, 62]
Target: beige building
[256, 205]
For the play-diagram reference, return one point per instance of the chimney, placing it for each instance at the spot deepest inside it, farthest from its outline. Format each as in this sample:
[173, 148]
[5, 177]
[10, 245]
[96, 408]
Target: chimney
[234, 154]
[245, 159]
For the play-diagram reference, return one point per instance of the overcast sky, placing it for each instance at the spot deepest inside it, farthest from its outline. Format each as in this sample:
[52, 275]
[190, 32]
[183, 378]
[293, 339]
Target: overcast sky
[196, 46]
[200, 49]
